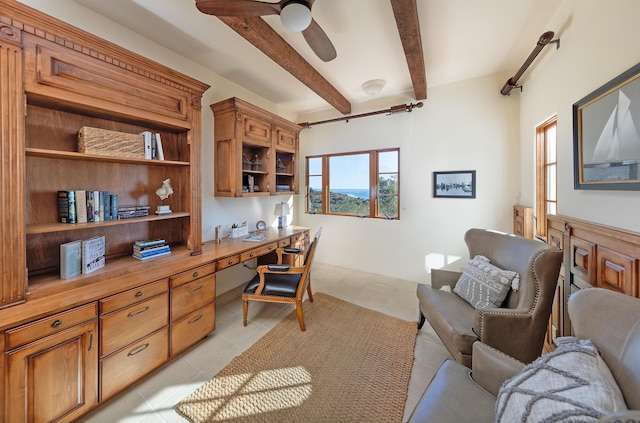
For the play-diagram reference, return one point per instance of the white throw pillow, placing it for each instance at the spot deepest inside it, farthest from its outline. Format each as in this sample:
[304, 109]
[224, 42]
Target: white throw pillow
[484, 285]
[570, 384]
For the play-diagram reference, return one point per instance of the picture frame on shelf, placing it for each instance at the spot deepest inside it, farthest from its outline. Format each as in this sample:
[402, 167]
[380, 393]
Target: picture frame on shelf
[454, 184]
[606, 135]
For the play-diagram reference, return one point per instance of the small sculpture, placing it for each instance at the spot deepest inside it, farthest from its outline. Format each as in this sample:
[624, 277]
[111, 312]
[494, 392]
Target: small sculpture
[164, 192]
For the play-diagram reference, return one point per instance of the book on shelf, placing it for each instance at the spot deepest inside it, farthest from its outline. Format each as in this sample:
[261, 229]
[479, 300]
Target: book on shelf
[114, 206]
[125, 212]
[70, 259]
[159, 150]
[89, 206]
[81, 206]
[148, 144]
[105, 205]
[151, 252]
[93, 254]
[67, 206]
[147, 257]
[96, 207]
[150, 249]
[149, 242]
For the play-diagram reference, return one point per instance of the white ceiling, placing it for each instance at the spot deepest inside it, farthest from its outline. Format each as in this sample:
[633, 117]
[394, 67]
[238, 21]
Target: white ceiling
[461, 39]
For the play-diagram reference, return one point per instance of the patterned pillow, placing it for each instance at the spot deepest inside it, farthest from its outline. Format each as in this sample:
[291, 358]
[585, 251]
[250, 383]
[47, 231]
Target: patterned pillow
[484, 285]
[570, 384]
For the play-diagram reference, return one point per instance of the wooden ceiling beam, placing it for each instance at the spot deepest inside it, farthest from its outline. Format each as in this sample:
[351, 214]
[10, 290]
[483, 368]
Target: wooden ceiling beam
[255, 30]
[406, 14]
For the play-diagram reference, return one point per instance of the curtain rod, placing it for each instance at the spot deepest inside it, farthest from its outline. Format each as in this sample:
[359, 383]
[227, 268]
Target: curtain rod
[512, 82]
[392, 110]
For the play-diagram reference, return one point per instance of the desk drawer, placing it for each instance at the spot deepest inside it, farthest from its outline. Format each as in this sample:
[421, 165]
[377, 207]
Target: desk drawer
[192, 328]
[257, 252]
[300, 237]
[193, 295]
[122, 327]
[49, 325]
[124, 367]
[193, 274]
[228, 262]
[133, 296]
[284, 242]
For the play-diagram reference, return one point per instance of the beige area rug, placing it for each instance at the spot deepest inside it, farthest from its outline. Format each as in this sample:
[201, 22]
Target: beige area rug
[351, 365]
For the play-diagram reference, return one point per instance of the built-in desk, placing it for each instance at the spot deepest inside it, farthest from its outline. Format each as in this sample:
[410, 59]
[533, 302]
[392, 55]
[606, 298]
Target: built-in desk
[113, 327]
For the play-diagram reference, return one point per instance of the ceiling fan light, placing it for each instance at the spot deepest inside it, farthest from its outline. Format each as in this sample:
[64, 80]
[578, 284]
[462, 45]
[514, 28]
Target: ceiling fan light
[295, 16]
[373, 86]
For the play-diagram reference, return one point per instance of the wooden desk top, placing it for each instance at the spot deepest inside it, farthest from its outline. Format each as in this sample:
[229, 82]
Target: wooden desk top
[126, 273]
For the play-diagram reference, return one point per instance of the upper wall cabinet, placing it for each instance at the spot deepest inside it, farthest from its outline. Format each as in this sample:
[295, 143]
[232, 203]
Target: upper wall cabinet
[256, 152]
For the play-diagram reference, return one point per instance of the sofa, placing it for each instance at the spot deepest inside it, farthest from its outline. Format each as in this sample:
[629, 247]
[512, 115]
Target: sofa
[516, 326]
[607, 319]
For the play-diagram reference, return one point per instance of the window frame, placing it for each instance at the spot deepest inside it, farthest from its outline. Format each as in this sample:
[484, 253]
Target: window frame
[542, 172]
[374, 186]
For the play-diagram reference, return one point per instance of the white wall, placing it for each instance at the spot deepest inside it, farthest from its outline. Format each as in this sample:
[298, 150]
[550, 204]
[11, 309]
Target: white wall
[599, 41]
[462, 126]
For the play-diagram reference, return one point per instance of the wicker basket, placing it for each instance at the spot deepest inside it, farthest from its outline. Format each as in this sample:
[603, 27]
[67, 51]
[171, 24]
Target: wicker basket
[110, 143]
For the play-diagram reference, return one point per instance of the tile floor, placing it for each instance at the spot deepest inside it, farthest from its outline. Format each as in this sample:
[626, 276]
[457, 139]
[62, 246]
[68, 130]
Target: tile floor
[153, 398]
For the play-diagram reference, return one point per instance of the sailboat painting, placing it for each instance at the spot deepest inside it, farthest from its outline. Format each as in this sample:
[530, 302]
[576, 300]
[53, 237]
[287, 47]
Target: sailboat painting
[607, 137]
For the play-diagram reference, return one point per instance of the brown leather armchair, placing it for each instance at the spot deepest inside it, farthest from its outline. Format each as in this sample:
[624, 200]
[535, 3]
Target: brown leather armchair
[611, 320]
[518, 327]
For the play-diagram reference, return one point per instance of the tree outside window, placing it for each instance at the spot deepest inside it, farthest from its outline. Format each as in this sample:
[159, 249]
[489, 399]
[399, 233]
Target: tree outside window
[362, 184]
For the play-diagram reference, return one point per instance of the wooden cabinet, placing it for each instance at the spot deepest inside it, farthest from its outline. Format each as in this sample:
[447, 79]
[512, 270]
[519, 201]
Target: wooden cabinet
[193, 296]
[523, 221]
[594, 256]
[256, 151]
[55, 80]
[52, 367]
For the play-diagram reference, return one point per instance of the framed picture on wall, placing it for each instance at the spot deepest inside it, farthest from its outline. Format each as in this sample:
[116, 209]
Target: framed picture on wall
[454, 184]
[606, 135]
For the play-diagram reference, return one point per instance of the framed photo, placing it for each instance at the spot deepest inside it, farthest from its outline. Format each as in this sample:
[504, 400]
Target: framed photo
[606, 135]
[455, 184]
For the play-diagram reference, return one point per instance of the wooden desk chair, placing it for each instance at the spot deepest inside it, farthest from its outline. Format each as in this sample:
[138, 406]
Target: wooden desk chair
[282, 283]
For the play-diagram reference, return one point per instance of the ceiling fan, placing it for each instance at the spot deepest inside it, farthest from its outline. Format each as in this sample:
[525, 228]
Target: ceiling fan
[295, 16]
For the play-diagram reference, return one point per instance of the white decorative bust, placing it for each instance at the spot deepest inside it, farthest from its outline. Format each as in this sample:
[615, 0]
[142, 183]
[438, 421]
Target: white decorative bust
[164, 192]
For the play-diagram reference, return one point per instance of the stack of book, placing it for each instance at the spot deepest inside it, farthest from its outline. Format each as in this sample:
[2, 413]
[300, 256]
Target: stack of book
[126, 212]
[150, 248]
[82, 206]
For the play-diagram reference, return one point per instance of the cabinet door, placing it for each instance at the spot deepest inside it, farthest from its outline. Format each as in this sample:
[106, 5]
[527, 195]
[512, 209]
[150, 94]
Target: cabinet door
[54, 378]
[256, 131]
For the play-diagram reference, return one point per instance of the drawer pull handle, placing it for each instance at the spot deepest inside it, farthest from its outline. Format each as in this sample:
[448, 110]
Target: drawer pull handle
[56, 324]
[251, 255]
[139, 350]
[135, 313]
[197, 288]
[230, 261]
[195, 319]
[139, 294]
[195, 274]
[90, 339]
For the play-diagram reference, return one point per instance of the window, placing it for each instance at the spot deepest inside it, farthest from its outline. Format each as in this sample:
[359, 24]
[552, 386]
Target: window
[546, 168]
[362, 184]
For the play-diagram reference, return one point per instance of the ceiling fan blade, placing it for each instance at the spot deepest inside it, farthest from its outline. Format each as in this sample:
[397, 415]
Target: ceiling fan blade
[319, 42]
[238, 7]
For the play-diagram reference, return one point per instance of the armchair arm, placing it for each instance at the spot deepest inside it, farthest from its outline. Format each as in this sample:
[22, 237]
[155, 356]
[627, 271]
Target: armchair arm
[493, 326]
[440, 278]
[492, 367]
